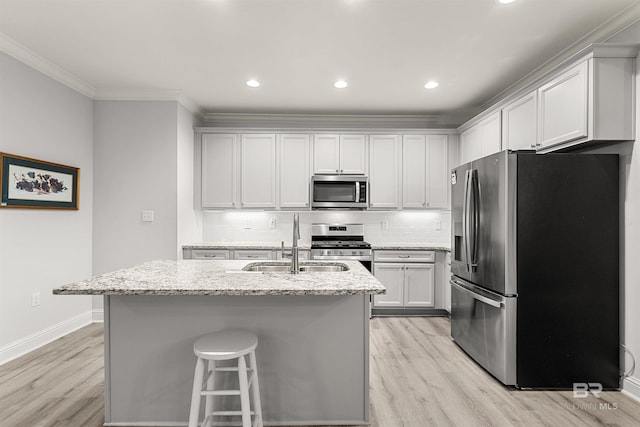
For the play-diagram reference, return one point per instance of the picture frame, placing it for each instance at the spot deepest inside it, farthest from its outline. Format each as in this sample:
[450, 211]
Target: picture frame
[37, 184]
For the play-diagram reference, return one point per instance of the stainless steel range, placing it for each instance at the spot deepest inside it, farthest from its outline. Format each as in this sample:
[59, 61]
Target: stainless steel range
[340, 242]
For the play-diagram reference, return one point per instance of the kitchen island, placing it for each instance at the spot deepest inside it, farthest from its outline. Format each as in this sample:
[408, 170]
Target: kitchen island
[313, 329]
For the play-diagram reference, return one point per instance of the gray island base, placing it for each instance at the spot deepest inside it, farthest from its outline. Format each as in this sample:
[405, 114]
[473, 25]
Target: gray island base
[313, 350]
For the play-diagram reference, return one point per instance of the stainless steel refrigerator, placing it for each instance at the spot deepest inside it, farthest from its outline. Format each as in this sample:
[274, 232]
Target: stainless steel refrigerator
[535, 267]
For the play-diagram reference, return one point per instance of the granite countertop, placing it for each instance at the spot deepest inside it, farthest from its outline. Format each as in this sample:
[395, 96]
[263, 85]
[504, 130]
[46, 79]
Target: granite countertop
[195, 277]
[287, 245]
[245, 245]
[411, 246]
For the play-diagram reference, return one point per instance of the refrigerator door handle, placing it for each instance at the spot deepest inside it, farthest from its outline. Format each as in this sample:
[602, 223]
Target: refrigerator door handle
[489, 301]
[475, 211]
[465, 220]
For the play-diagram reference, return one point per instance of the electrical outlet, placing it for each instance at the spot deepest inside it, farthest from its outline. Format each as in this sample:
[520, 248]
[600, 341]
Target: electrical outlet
[384, 225]
[35, 299]
[273, 223]
[438, 225]
[147, 216]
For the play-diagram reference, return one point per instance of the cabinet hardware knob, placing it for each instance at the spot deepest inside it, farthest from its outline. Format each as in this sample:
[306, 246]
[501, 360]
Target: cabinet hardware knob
[341, 170]
[538, 144]
[233, 203]
[424, 204]
[533, 145]
[337, 170]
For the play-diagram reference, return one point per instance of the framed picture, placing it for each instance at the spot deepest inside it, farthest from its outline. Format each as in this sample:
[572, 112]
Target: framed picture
[31, 183]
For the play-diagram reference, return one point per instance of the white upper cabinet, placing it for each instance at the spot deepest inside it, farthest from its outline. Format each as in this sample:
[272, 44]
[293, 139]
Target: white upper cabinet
[519, 127]
[438, 187]
[219, 171]
[353, 154]
[470, 148]
[414, 171]
[326, 154]
[340, 154]
[258, 171]
[591, 101]
[295, 171]
[481, 139]
[425, 171]
[563, 107]
[490, 137]
[384, 167]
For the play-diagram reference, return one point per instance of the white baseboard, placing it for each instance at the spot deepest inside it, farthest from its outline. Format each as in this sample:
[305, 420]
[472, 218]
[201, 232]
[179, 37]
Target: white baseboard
[31, 342]
[631, 387]
[97, 316]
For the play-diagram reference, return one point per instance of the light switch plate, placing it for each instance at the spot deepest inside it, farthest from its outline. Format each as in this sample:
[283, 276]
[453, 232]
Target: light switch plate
[147, 216]
[438, 225]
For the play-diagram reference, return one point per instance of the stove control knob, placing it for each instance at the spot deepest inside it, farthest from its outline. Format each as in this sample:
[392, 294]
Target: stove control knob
[354, 253]
[341, 252]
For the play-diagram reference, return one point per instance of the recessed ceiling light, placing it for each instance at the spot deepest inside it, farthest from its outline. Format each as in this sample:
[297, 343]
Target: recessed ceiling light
[505, 1]
[431, 85]
[340, 84]
[253, 83]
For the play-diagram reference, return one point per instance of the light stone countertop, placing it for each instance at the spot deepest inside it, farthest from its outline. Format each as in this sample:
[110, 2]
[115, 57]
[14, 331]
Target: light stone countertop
[246, 245]
[196, 277]
[275, 246]
[419, 246]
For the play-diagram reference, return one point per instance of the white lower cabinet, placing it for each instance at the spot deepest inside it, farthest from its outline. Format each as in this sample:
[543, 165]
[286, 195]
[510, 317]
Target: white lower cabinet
[409, 284]
[252, 254]
[210, 254]
[419, 285]
[392, 277]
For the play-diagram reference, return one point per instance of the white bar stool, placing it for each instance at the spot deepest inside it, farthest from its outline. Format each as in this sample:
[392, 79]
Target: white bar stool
[226, 345]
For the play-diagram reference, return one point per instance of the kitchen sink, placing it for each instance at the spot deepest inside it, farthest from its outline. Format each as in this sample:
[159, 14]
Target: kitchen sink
[273, 267]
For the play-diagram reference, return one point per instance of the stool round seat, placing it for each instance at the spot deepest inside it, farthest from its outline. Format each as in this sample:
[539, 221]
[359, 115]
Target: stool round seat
[224, 345]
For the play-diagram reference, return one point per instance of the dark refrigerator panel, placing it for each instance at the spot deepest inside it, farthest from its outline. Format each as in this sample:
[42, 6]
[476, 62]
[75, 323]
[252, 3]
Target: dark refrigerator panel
[568, 270]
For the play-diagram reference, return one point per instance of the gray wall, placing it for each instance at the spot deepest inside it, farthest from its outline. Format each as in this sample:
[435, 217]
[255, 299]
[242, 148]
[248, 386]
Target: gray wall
[630, 226]
[42, 249]
[143, 160]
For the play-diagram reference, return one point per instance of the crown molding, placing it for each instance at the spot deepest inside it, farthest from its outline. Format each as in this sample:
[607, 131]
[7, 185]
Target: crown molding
[325, 121]
[133, 94]
[608, 29]
[46, 67]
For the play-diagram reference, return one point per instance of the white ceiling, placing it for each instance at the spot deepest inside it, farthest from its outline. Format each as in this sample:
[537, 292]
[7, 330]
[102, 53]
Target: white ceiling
[387, 50]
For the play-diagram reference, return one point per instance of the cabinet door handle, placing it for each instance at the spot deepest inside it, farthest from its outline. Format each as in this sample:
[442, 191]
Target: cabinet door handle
[404, 256]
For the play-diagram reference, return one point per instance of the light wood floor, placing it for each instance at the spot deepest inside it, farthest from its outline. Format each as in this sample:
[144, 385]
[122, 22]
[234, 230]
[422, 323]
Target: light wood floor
[419, 377]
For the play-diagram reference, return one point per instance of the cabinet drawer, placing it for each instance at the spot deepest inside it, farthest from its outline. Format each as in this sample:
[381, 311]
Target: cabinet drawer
[253, 254]
[404, 256]
[212, 254]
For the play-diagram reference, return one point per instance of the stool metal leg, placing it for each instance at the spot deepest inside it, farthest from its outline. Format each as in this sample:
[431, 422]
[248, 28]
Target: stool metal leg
[208, 400]
[244, 392]
[255, 389]
[195, 394]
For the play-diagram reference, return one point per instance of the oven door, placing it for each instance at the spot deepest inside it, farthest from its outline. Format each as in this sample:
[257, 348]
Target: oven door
[483, 324]
[338, 192]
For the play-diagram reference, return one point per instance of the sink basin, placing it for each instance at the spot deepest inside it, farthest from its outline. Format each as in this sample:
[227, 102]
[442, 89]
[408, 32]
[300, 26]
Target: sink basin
[314, 268]
[280, 268]
[273, 267]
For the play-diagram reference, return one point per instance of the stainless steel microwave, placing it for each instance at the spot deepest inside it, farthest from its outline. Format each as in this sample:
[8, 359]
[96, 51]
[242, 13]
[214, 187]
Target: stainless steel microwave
[339, 192]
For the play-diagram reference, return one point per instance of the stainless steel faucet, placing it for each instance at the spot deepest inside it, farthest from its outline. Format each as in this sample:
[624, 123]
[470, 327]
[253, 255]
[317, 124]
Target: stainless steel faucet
[295, 269]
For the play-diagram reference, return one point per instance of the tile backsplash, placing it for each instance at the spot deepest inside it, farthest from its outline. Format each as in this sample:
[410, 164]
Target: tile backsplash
[275, 226]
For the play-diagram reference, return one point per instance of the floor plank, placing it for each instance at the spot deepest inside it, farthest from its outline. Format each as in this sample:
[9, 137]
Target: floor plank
[419, 377]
